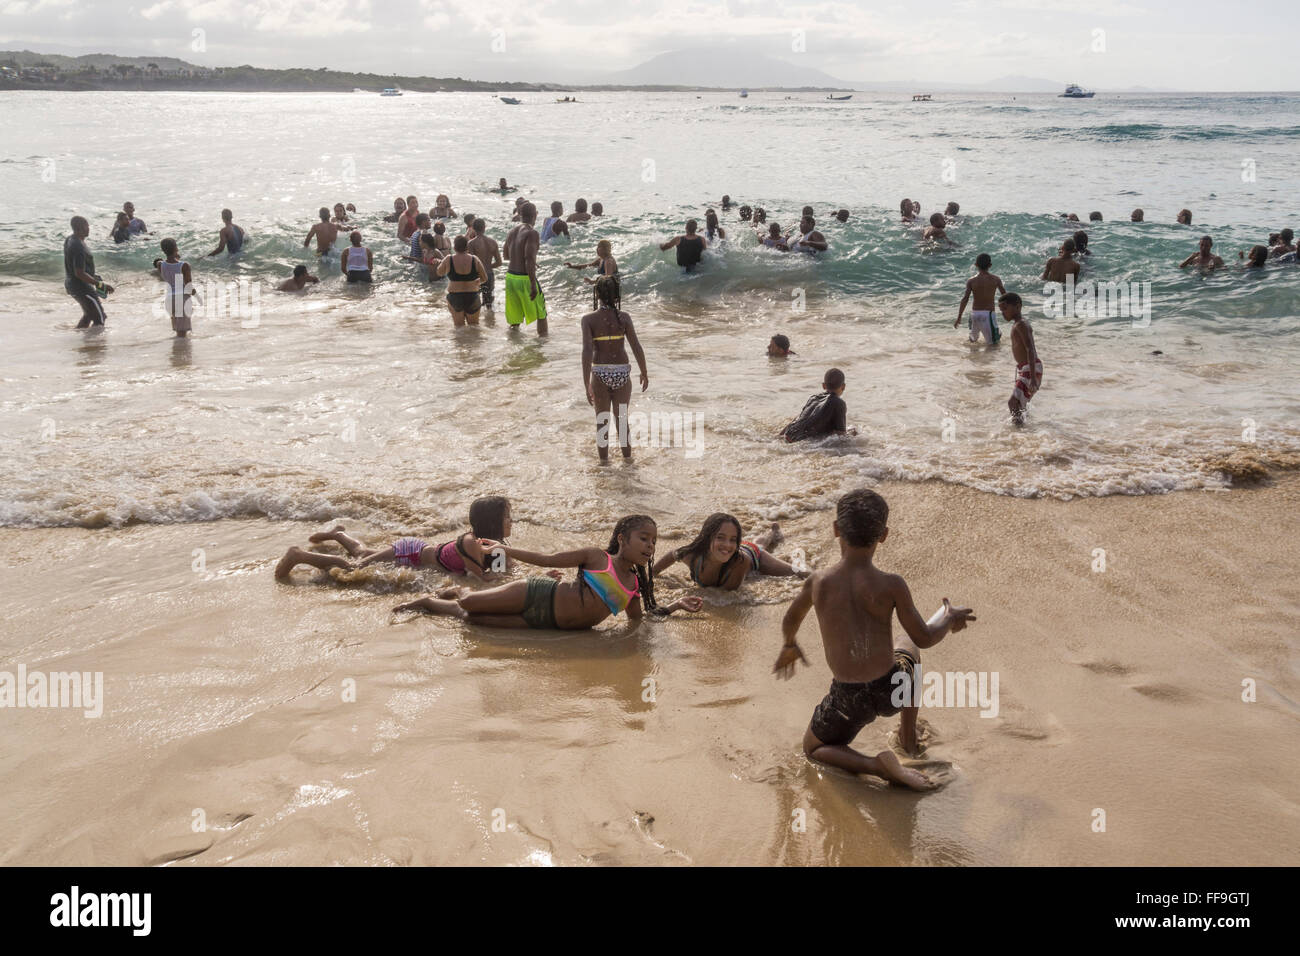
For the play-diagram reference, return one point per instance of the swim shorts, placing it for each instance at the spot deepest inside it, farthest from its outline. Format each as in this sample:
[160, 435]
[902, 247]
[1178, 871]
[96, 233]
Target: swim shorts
[486, 289]
[847, 708]
[358, 275]
[466, 302]
[520, 307]
[407, 552]
[539, 604]
[1028, 381]
[984, 322]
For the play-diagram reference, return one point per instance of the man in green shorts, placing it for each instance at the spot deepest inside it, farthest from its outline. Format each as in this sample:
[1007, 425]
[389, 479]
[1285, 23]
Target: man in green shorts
[524, 300]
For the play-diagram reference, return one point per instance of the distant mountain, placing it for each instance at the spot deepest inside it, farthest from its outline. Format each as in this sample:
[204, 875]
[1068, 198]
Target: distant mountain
[101, 61]
[725, 68]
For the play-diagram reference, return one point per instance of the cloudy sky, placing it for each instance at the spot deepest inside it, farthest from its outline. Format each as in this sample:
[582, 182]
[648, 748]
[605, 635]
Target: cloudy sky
[1188, 44]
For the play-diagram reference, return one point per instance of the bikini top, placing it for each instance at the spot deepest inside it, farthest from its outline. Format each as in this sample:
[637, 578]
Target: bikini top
[608, 338]
[453, 556]
[455, 276]
[608, 587]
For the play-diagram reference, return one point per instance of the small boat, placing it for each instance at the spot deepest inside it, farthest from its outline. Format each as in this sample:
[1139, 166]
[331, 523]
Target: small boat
[1076, 92]
[509, 100]
[920, 97]
[744, 93]
[391, 91]
[568, 99]
[840, 99]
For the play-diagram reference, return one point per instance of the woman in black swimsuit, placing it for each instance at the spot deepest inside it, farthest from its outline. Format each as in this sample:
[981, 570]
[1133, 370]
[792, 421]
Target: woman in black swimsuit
[465, 273]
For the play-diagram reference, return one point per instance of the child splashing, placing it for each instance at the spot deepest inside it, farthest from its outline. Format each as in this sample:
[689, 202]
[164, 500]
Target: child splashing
[489, 520]
[720, 557]
[615, 579]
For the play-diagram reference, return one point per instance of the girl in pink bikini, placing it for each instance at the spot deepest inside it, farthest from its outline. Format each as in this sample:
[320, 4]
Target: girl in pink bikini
[462, 556]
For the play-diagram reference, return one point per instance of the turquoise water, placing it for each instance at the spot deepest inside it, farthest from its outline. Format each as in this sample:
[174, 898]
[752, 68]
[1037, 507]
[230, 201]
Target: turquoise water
[369, 403]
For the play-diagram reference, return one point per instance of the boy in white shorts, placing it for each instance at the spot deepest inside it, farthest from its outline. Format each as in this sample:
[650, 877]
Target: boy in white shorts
[984, 286]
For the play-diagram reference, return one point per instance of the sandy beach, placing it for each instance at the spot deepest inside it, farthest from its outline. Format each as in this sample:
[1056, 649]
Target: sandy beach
[224, 703]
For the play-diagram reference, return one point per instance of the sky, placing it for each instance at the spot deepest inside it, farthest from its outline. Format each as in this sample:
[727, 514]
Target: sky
[1101, 44]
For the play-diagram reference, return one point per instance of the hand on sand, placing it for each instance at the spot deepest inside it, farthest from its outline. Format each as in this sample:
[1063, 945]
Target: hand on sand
[555, 573]
[958, 617]
[411, 606]
[787, 660]
[691, 604]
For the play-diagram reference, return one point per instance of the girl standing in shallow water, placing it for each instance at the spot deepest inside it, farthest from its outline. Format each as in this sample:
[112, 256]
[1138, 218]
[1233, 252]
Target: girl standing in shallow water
[720, 557]
[615, 579]
[606, 371]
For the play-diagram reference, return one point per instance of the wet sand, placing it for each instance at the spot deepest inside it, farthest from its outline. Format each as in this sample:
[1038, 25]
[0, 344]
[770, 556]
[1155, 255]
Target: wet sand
[224, 693]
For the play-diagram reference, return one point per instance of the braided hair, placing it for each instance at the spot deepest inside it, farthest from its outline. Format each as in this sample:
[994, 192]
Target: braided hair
[605, 293]
[645, 578]
[704, 540]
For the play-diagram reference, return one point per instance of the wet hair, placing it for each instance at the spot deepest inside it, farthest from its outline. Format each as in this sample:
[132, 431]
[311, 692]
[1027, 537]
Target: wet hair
[937, 220]
[905, 207]
[952, 209]
[1010, 298]
[350, 207]
[1257, 256]
[1185, 217]
[745, 213]
[699, 547]
[774, 230]
[781, 341]
[324, 214]
[1206, 239]
[606, 245]
[862, 516]
[121, 216]
[169, 246]
[79, 221]
[1069, 246]
[1072, 217]
[1137, 215]
[423, 220]
[399, 199]
[426, 239]
[983, 261]
[478, 225]
[1286, 235]
[580, 205]
[227, 215]
[842, 215]
[339, 205]
[1274, 238]
[487, 517]
[460, 244]
[439, 228]
[807, 210]
[528, 212]
[645, 578]
[760, 214]
[1081, 240]
[157, 263]
[299, 270]
[711, 219]
[1094, 217]
[833, 379]
[597, 209]
[607, 293]
[557, 207]
[691, 225]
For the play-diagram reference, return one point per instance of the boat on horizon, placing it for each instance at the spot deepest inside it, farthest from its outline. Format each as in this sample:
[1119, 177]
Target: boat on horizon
[839, 99]
[508, 100]
[391, 91]
[1076, 92]
[744, 93]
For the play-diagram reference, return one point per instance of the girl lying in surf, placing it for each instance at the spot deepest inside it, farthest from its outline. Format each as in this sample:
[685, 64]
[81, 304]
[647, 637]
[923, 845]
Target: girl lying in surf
[720, 557]
[465, 554]
[608, 581]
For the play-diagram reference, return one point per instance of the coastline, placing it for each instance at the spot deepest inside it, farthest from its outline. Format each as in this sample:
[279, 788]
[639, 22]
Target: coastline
[1119, 690]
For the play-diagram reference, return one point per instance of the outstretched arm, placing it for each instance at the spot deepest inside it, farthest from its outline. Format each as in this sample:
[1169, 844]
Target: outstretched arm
[926, 633]
[790, 652]
[670, 243]
[561, 559]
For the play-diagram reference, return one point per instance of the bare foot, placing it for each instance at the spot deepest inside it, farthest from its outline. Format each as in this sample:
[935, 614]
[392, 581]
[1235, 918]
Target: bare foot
[774, 536]
[326, 535]
[287, 564]
[895, 772]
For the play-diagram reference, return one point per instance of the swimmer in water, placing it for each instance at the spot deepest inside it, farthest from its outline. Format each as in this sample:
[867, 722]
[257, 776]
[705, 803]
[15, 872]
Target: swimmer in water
[579, 213]
[774, 239]
[137, 226]
[604, 263]
[502, 188]
[464, 275]
[779, 347]
[300, 280]
[712, 230]
[442, 207]
[906, 211]
[855, 604]
[399, 207]
[759, 216]
[340, 217]
[1283, 245]
[1094, 217]
[609, 581]
[554, 224]
[935, 232]
[1029, 368]
[1062, 265]
[79, 277]
[407, 223]
[429, 256]
[951, 212]
[1257, 258]
[983, 287]
[720, 557]
[607, 333]
[422, 223]
[726, 203]
[356, 261]
[489, 254]
[1203, 258]
[597, 210]
[175, 273]
[121, 231]
[524, 300]
[462, 556]
[842, 215]
[690, 247]
[1184, 217]
[1081, 243]
[824, 414]
[231, 237]
[809, 240]
[1137, 215]
[324, 232]
[745, 213]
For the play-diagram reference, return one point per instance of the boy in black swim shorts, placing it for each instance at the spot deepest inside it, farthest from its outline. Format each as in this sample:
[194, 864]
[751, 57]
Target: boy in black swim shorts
[855, 603]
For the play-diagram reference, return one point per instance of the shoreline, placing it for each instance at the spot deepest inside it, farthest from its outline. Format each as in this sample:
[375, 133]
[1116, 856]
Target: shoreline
[1120, 690]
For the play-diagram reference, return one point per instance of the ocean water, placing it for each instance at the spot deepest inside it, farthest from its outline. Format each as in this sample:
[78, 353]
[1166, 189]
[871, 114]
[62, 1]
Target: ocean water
[367, 404]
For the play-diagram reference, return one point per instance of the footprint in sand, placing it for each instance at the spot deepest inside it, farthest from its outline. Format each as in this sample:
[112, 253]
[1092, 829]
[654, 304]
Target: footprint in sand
[177, 848]
[1167, 693]
[1108, 668]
